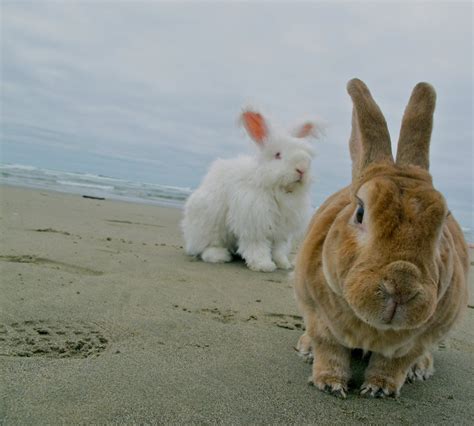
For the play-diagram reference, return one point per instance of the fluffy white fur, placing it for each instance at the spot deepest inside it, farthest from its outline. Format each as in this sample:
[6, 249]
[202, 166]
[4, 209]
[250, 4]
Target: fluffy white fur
[253, 206]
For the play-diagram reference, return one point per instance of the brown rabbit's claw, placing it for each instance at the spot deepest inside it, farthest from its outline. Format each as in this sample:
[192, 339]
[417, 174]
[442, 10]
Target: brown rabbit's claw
[418, 374]
[304, 348]
[374, 391]
[307, 356]
[336, 389]
[422, 370]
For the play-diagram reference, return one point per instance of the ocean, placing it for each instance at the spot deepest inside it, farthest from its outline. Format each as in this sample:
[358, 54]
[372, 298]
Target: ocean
[92, 185]
[107, 187]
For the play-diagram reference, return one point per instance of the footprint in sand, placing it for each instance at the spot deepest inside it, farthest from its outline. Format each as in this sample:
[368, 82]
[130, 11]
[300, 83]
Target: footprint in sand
[51, 230]
[287, 321]
[40, 261]
[128, 222]
[225, 316]
[52, 339]
[290, 322]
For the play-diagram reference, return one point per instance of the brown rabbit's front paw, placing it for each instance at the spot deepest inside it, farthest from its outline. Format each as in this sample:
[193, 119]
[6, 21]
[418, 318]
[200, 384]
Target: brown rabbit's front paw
[331, 367]
[331, 384]
[422, 369]
[379, 387]
[304, 348]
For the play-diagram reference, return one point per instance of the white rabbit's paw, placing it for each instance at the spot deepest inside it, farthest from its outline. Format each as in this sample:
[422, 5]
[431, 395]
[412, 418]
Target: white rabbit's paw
[283, 262]
[261, 266]
[216, 255]
[304, 349]
[423, 369]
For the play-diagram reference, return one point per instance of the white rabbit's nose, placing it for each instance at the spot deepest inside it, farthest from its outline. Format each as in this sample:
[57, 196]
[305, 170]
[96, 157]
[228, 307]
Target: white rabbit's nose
[302, 166]
[300, 162]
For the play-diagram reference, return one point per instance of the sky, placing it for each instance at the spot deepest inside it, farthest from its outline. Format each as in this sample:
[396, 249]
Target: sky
[152, 91]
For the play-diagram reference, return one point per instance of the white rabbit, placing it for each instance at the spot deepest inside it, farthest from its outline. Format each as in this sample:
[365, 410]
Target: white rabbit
[253, 206]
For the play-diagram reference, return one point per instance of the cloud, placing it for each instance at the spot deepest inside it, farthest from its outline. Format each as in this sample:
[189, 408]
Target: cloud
[165, 82]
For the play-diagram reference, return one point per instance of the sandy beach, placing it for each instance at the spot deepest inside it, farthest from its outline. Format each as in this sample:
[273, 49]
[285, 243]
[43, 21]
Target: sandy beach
[104, 319]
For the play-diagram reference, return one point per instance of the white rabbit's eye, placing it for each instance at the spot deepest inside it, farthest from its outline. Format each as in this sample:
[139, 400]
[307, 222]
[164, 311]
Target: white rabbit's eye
[278, 155]
[359, 216]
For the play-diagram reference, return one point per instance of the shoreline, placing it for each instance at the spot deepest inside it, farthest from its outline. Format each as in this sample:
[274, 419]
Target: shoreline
[83, 194]
[104, 319]
[160, 203]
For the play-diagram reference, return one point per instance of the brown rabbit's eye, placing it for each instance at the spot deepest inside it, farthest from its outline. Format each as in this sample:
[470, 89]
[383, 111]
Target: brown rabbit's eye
[278, 155]
[359, 214]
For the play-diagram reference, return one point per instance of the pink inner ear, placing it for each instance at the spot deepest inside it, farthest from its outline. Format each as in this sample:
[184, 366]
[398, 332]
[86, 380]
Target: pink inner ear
[305, 130]
[255, 125]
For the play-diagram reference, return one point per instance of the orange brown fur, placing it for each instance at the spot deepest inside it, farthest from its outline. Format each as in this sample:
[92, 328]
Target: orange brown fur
[395, 284]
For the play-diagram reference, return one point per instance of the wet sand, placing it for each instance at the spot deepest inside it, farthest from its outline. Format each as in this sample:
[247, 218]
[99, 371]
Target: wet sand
[104, 319]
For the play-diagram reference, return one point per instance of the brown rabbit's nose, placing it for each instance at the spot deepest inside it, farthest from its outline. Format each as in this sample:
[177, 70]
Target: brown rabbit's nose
[399, 295]
[399, 286]
[400, 279]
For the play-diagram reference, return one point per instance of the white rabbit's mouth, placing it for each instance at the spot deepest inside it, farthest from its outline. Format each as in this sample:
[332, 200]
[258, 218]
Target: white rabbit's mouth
[293, 186]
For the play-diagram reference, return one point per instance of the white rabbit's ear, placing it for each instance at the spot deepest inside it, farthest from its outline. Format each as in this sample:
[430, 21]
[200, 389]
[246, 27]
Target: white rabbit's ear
[255, 125]
[306, 130]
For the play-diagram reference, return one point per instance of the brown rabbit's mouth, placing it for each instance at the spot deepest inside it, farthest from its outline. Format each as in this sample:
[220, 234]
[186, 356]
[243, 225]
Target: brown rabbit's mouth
[390, 311]
[384, 311]
[395, 309]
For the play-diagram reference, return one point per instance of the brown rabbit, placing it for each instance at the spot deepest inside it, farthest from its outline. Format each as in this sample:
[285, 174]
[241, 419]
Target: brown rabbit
[383, 267]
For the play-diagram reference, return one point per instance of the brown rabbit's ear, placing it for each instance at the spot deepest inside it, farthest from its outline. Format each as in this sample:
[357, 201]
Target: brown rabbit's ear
[417, 124]
[370, 139]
